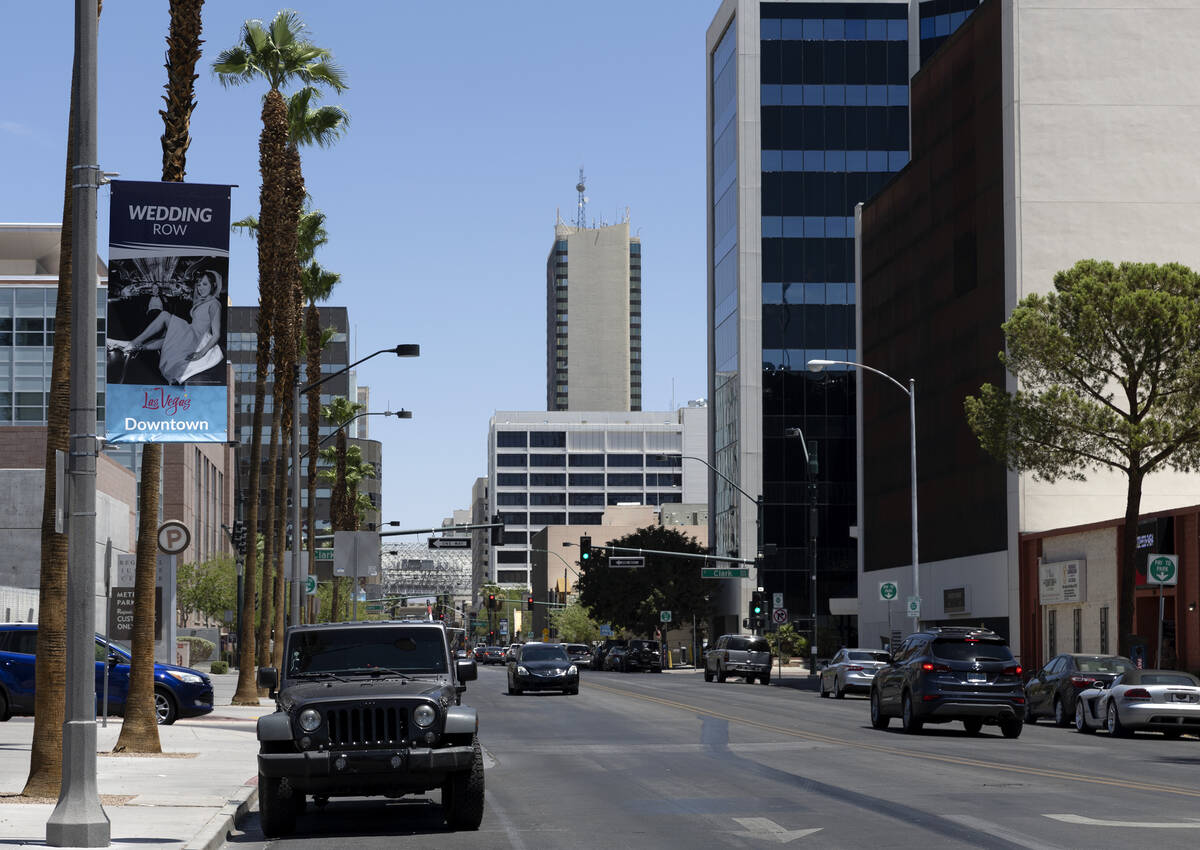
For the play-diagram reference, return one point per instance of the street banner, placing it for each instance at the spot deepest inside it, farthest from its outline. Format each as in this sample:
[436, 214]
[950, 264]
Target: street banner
[168, 283]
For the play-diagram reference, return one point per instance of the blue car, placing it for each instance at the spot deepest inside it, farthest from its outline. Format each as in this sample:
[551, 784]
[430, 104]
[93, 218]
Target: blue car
[178, 691]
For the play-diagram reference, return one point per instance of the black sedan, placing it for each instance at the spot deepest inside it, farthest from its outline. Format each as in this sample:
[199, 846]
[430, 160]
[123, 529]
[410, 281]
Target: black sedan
[542, 667]
[1052, 691]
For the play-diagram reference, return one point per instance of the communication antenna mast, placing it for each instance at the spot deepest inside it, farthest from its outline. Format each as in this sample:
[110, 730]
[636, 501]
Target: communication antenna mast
[581, 213]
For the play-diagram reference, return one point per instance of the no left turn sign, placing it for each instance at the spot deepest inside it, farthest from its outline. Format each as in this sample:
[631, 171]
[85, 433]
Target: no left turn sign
[779, 616]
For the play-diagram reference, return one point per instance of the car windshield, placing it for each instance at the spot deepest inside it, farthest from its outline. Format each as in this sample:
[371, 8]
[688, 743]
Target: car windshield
[419, 650]
[543, 653]
[867, 656]
[1101, 664]
[751, 644]
[972, 650]
[1167, 679]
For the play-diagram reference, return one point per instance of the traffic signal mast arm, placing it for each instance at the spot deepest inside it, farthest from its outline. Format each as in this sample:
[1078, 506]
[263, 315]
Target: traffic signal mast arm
[440, 528]
[686, 555]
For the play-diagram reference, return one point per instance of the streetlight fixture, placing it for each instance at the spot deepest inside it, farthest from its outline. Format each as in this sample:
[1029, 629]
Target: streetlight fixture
[410, 350]
[911, 392]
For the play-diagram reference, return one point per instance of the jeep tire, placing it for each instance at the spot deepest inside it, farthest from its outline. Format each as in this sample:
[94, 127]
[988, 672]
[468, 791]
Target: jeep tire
[462, 793]
[276, 816]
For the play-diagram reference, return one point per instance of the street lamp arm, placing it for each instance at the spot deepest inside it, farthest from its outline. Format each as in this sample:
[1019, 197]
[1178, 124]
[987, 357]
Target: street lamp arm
[716, 471]
[399, 351]
[818, 365]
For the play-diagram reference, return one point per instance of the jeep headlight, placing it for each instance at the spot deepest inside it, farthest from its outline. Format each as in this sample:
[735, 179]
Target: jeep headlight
[310, 719]
[424, 715]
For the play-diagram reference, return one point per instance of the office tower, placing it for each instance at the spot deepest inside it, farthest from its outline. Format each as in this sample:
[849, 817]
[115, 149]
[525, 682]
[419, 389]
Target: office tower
[594, 318]
[807, 116]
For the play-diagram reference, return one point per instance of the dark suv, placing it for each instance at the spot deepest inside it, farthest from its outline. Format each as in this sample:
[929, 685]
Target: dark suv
[368, 708]
[643, 655]
[950, 673]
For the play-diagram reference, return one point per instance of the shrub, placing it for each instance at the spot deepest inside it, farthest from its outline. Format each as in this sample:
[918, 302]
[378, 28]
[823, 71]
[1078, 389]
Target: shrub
[219, 667]
[201, 649]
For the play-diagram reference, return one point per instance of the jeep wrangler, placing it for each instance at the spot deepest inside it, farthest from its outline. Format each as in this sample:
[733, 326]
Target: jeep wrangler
[368, 709]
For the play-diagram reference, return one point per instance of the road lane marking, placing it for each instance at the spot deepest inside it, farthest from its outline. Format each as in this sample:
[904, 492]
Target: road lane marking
[999, 831]
[1047, 773]
[1085, 821]
[767, 828]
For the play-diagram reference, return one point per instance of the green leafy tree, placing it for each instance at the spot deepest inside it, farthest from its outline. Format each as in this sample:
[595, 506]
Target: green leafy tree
[208, 588]
[632, 598]
[1108, 377]
[573, 624]
[785, 641]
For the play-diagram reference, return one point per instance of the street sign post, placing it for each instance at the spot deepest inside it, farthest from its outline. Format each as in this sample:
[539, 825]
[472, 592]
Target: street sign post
[914, 606]
[628, 562]
[449, 542]
[724, 572]
[1161, 570]
[779, 616]
[888, 590]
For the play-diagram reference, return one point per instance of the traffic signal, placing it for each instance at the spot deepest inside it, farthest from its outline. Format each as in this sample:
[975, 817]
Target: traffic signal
[758, 603]
[491, 602]
[585, 550]
[497, 530]
[239, 536]
[529, 602]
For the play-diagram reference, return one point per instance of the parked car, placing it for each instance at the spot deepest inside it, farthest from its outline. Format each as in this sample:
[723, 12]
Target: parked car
[851, 670]
[643, 655]
[615, 658]
[599, 653]
[1166, 701]
[747, 656]
[580, 654]
[542, 667]
[178, 691]
[1052, 691]
[950, 673]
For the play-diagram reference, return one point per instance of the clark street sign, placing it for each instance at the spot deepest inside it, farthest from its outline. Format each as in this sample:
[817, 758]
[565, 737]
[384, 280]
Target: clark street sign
[724, 572]
[449, 542]
[323, 554]
[627, 562]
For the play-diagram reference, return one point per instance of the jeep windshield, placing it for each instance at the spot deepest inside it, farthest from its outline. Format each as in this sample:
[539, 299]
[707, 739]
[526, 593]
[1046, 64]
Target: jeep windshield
[366, 652]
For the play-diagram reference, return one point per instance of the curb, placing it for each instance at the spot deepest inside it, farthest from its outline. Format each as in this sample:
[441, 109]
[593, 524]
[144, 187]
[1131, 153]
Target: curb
[216, 832]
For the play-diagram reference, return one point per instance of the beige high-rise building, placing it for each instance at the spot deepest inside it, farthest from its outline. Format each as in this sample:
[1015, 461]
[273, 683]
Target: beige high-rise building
[594, 319]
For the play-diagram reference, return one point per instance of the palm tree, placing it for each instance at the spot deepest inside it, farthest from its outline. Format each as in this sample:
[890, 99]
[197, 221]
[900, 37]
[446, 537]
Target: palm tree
[340, 411]
[279, 54]
[139, 730]
[50, 672]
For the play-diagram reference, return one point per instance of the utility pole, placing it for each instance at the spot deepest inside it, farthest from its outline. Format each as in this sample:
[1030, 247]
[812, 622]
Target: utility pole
[79, 820]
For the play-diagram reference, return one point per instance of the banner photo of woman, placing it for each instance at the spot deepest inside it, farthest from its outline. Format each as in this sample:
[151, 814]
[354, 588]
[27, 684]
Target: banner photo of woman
[166, 329]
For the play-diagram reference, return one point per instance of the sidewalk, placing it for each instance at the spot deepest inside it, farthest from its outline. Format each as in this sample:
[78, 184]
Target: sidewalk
[189, 797]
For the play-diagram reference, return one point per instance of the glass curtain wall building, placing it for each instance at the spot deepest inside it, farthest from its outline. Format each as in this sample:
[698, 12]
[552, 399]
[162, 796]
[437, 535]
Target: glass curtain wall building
[807, 116]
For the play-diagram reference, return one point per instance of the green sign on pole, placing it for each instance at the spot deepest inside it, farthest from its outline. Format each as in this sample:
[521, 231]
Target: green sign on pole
[888, 590]
[664, 616]
[1162, 569]
[724, 572]
[323, 554]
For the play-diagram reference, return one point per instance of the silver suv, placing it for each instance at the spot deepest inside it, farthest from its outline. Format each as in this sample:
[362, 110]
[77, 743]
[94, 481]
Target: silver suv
[747, 656]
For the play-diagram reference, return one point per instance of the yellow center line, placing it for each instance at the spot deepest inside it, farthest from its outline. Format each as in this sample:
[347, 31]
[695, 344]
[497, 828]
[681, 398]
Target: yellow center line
[958, 760]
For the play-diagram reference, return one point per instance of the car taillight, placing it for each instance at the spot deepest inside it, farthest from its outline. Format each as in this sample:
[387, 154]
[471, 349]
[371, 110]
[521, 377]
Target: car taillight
[929, 667]
[1082, 681]
[1013, 670]
[1137, 693]
[726, 658]
[854, 667]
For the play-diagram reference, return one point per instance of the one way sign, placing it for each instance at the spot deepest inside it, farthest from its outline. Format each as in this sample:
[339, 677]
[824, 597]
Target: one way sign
[449, 542]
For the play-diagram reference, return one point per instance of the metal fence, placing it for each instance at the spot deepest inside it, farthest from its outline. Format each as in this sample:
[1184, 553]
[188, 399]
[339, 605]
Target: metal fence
[18, 604]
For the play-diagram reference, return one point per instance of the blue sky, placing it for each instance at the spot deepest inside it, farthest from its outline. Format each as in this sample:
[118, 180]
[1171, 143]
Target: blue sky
[470, 121]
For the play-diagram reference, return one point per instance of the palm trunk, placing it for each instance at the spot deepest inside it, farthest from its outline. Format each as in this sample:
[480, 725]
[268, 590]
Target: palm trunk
[268, 565]
[50, 676]
[312, 330]
[247, 688]
[280, 566]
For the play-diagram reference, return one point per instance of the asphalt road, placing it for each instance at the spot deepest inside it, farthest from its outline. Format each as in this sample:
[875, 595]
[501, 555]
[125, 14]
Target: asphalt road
[661, 761]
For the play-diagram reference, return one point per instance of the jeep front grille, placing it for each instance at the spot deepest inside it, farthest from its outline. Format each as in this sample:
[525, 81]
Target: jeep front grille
[367, 726]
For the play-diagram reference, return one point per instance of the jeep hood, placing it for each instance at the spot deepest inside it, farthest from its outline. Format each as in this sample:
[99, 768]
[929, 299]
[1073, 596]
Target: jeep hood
[383, 687]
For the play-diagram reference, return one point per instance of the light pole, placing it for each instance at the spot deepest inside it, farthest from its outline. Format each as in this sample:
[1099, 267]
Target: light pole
[298, 391]
[810, 461]
[911, 392]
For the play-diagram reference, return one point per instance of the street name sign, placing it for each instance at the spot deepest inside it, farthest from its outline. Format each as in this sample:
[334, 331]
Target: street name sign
[323, 554]
[1162, 569]
[888, 590]
[914, 606]
[628, 562]
[724, 572]
[779, 616]
[449, 542]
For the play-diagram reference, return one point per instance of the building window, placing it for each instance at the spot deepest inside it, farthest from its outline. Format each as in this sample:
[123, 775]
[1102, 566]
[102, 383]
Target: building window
[547, 498]
[1077, 629]
[510, 479]
[547, 479]
[586, 519]
[510, 499]
[587, 499]
[513, 518]
[624, 479]
[548, 439]
[512, 577]
[510, 460]
[586, 460]
[547, 518]
[512, 556]
[626, 460]
[1104, 630]
[587, 479]
[510, 439]
[547, 460]
[625, 498]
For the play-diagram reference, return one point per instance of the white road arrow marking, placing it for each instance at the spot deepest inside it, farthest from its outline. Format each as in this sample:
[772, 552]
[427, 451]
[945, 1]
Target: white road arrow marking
[767, 828]
[1085, 821]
